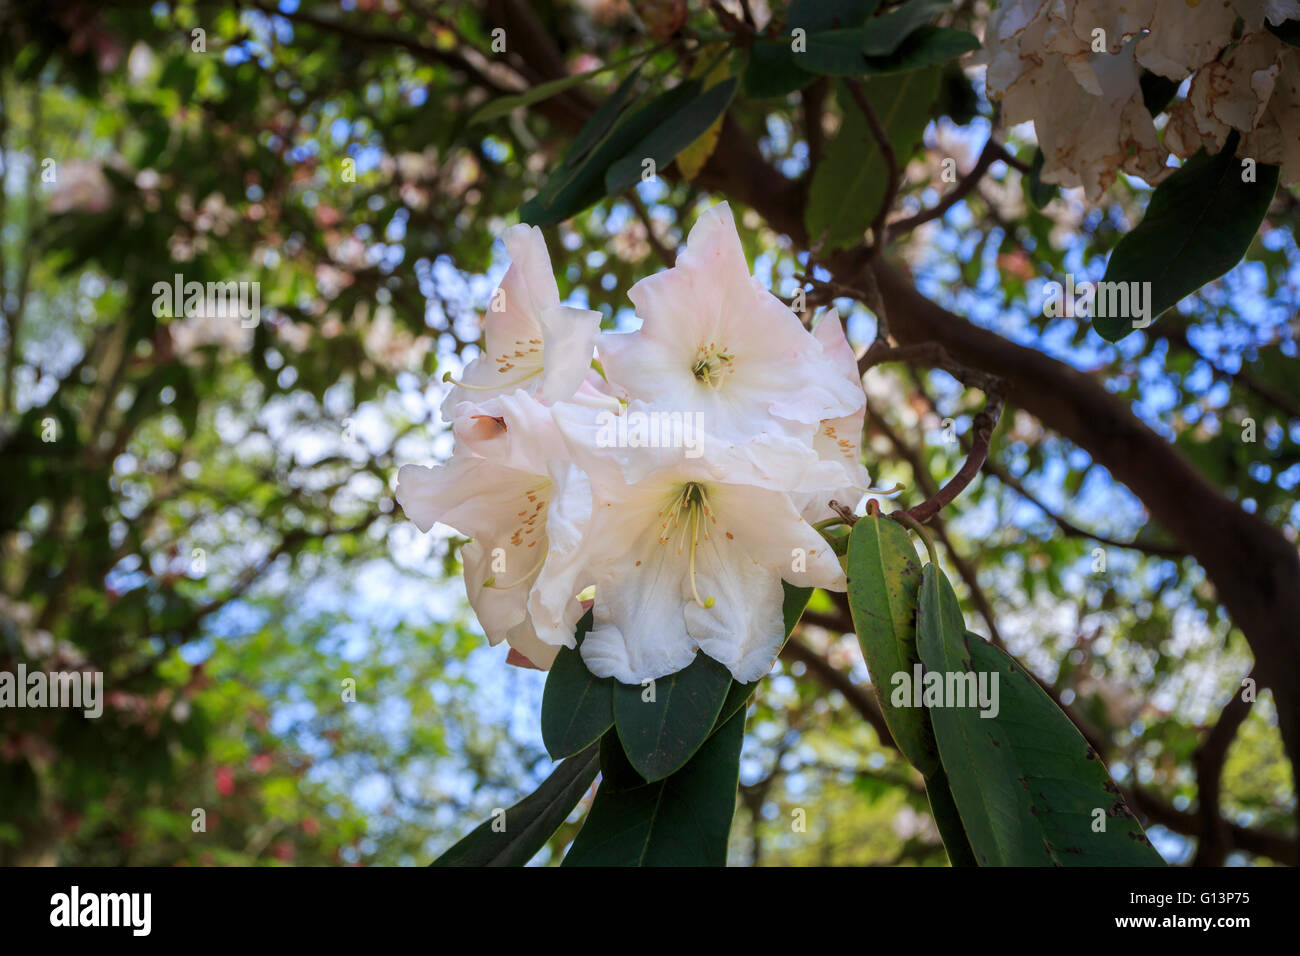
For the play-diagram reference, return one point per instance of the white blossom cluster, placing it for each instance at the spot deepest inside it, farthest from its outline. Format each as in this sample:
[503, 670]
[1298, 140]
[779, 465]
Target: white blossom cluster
[667, 477]
[1073, 67]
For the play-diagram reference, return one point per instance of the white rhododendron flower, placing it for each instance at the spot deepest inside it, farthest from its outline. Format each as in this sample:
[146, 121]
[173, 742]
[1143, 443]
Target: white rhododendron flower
[678, 487]
[1073, 69]
[714, 341]
[531, 341]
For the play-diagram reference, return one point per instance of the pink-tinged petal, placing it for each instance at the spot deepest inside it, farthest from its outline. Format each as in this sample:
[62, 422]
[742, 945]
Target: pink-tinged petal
[533, 281]
[476, 497]
[499, 610]
[553, 603]
[513, 429]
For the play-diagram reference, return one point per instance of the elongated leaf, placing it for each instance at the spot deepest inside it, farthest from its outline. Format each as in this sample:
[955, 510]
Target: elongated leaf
[674, 134]
[884, 577]
[542, 91]
[948, 821]
[815, 15]
[572, 190]
[1029, 789]
[796, 599]
[683, 820]
[600, 122]
[1199, 223]
[850, 182]
[577, 706]
[926, 46]
[773, 70]
[1039, 192]
[883, 35]
[692, 159]
[660, 735]
[531, 821]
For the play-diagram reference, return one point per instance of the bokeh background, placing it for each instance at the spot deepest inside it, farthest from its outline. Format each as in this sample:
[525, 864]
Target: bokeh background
[205, 512]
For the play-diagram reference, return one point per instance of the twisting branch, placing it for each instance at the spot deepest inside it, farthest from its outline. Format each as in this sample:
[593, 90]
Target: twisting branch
[891, 163]
[982, 427]
[991, 153]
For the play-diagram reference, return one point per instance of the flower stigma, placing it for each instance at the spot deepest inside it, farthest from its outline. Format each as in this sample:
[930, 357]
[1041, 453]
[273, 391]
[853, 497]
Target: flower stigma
[684, 513]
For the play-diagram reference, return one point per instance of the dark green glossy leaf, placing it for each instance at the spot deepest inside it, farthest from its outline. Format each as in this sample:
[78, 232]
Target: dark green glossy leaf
[884, 577]
[577, 706]
[683, 820]
[1199, 223]
[947, 820]
[673, 135]
[573, 189]
[600, 122]
[815, 15]
[660, 735]
[1038, 192]
[531, 821]
[883, 35]
[926, 46]
[773, 70]
[1029, 789]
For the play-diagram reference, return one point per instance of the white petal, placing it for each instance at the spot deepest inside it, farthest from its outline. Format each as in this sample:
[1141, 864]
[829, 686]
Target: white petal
[569, 337]
[744, 628]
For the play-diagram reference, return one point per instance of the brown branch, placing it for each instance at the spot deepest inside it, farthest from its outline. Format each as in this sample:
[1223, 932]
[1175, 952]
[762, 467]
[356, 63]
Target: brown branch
[988, 156]
[1209, 758]
[982, 426]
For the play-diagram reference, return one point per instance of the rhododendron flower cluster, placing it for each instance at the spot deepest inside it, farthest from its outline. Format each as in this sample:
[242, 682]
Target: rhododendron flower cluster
[667, 478]
[1073, 68]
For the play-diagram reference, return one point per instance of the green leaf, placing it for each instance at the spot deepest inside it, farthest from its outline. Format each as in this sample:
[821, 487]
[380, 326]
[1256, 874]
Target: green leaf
[683, 820]
[1038, 192]
[673, 135]
[1028, 787]
[598, 125]
[773, 70]
[542, 91]
[884, 577]
[1199, 223]
[531, 821]
[850, 182]
[796, 599]
[816, 15]
[883, 35]
[947, 819]
[659, 736]
[925, 47]
[573, 189]
[577, 706]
